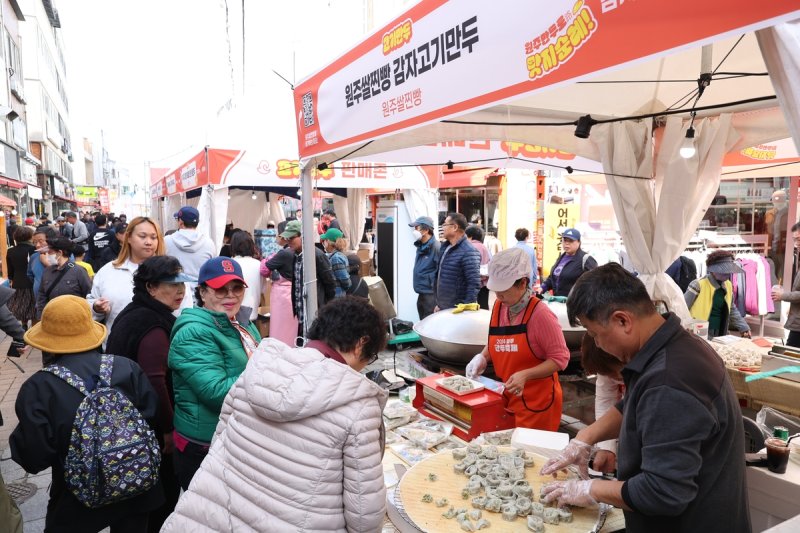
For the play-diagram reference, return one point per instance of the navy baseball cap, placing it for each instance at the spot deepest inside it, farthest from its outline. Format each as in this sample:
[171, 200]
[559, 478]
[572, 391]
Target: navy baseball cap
[571, 233]
[188, 214]
[218, 271]
[422, 221]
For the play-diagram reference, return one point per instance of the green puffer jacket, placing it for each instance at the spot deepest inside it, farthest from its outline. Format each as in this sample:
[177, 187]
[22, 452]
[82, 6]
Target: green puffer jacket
[206, 358]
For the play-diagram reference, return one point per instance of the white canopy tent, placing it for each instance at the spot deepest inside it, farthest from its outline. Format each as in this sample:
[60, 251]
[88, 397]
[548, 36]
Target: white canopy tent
[548, 65]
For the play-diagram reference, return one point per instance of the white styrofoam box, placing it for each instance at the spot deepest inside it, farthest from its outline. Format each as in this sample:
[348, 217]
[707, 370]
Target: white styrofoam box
[529, 439]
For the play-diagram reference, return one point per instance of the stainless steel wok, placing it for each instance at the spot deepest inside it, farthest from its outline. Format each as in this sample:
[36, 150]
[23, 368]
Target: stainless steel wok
[454, 337]
[458, 337]
[572, 334]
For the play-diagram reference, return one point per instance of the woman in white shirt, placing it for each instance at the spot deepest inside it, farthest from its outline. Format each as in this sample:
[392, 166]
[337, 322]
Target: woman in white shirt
[112, 286]
[243, 250]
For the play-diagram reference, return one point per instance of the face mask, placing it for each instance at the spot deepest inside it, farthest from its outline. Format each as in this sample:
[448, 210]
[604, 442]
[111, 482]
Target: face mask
[416, 234]
[52, 260]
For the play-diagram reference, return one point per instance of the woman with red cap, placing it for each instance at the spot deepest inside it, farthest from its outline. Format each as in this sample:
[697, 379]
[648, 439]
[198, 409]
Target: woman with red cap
[209, 348]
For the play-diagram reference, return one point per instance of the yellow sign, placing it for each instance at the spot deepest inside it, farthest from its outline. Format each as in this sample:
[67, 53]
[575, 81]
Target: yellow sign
[557, 217]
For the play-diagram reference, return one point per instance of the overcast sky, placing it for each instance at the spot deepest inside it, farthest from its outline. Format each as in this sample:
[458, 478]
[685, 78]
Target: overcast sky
[153, 75]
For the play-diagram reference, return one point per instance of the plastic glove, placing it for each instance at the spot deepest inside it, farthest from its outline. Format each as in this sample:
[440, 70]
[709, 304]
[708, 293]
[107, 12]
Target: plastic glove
[460, 308]
[575, 453]
[573, 492]
[476, 366]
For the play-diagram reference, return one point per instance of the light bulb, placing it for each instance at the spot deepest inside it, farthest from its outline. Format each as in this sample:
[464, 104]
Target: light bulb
[687, 146]
[299, 192]
[253, 196]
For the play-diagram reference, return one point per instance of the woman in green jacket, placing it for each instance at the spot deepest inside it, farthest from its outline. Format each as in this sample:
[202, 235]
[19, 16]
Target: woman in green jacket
[209, 348]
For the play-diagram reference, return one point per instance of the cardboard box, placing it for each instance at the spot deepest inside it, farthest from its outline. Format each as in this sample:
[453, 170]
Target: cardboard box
[366, 268]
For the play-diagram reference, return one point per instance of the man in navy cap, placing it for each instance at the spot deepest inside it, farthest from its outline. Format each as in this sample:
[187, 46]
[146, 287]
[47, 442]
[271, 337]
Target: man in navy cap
[189, 246]
[570, 264]
[425, 265]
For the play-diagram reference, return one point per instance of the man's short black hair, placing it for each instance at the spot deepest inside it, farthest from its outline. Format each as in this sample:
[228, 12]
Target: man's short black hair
[100, 220]
[329, 212]
[796, 227]
[521, 234]
[600, 292]
[459, 220]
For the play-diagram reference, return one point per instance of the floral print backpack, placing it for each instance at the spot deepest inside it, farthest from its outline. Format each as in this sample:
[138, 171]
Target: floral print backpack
[113, 454]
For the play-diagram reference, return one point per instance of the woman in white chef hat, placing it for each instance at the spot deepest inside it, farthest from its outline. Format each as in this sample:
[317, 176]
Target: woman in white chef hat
[525, 344]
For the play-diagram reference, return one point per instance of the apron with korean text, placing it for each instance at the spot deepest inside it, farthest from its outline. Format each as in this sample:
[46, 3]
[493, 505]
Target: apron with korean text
[539, 407]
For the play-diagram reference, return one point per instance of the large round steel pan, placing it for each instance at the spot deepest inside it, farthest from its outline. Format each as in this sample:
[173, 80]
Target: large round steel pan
[454, 337]
[572, 334]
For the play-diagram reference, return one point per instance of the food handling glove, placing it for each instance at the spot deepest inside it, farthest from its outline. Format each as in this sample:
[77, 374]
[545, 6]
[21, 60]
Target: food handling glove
[573, 492]
[476, 367]
[575, 453]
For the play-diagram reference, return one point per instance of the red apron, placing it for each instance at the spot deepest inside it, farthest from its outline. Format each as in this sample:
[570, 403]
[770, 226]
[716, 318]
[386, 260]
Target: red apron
[539, 407]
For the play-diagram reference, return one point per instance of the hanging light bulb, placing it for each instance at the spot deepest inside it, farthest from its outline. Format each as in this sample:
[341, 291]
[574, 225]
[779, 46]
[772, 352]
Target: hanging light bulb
[687, 147]
[299, 192]
[253, 196]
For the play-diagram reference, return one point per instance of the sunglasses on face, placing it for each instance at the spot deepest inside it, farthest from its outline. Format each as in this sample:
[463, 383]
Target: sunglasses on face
[234, 290]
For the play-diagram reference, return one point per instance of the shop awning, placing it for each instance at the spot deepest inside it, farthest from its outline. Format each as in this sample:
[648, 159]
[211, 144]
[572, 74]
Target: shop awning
[62, 199]
[6, 201]
[14, 184]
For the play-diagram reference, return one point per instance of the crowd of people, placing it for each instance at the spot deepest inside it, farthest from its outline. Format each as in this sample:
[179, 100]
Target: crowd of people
[179, 319]
[153, 339]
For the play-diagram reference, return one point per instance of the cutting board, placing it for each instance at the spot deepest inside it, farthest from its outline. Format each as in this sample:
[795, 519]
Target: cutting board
[428, 517]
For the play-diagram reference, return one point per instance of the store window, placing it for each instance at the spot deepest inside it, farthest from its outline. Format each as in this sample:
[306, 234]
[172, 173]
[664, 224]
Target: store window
[742, 206]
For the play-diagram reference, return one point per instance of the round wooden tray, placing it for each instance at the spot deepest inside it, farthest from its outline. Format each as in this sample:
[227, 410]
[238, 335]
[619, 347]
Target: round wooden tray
[428, 517]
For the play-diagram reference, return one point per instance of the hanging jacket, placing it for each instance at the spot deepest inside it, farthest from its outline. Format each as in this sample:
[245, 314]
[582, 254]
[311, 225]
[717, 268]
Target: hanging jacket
[206, 356]
[459, 277]
[298, 448]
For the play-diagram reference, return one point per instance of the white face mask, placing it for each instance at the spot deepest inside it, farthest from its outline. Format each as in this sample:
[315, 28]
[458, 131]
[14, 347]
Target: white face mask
[417, 235]
[52, 260]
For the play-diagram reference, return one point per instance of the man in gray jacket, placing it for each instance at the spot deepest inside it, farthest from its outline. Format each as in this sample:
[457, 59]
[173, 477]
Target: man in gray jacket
[80, 233]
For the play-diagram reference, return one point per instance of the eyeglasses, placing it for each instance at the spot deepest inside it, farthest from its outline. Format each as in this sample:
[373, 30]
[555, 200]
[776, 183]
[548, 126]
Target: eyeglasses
[373, 359]
[450, 224]
[234, 290]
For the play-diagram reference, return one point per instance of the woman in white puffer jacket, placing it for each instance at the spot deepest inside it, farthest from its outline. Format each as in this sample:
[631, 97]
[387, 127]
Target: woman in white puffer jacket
[300, 438]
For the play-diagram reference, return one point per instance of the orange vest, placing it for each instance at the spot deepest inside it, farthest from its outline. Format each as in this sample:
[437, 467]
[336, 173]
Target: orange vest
[539, 407]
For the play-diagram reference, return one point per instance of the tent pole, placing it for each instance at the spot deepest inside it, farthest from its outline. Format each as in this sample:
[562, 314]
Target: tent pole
[309, 254]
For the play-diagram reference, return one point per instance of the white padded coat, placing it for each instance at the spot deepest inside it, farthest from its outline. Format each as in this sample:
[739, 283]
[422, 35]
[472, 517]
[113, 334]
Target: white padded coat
[298, 448]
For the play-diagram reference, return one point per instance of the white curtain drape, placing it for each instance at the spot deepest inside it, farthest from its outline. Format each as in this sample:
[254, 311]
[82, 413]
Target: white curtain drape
[246, 213]
[351, 213]
[213, 208]
[658, 217]
[780, 48]
[276, 213]
[422, 202]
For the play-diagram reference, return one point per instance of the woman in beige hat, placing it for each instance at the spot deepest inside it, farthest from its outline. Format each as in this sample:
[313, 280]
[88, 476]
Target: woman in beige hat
[525, 344]
[46, 407]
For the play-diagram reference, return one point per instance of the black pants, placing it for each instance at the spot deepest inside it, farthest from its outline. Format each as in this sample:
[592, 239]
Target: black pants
[172, 490]
[425, 305]
[187, 462]
[794, 339]
[483, 298]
